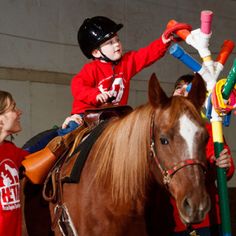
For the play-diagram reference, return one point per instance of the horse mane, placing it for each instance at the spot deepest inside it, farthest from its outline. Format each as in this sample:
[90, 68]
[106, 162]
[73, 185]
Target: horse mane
[179, 105]
[121, 155]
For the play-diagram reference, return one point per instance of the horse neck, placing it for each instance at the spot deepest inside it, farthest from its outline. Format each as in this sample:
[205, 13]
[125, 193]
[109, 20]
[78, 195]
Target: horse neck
[122, 155]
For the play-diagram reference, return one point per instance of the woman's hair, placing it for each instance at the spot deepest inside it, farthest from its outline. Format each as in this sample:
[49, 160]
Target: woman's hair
[185, 78]
[5, 97]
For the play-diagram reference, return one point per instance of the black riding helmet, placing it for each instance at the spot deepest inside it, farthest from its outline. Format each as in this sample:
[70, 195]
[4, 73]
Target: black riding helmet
[95, 31]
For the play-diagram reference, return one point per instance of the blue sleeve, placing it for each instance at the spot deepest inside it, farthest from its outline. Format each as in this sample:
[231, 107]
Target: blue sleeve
[71, 126]
[42, 141]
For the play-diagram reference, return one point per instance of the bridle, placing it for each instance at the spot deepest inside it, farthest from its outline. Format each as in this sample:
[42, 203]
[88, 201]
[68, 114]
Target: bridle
[169, 173]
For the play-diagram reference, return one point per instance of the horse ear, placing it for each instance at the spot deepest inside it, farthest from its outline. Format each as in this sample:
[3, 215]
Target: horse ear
[198, 91]
[156, 94]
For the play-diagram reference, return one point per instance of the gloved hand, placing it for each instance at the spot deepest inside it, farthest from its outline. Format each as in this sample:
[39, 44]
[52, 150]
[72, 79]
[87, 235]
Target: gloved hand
[169, 34]
[72, 125]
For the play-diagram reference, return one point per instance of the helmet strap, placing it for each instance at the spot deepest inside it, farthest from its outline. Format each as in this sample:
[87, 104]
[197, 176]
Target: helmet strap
[107, 59]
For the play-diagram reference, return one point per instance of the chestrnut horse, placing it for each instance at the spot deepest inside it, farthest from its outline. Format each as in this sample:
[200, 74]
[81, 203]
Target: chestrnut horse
[161, 143]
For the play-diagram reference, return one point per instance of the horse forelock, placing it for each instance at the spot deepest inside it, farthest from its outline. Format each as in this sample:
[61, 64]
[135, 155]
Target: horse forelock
[179, 106]
[122, 155]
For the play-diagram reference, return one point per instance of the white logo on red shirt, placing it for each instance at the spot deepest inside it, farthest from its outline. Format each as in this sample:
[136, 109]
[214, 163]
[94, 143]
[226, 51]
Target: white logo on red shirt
[116, 89]
[9, 186]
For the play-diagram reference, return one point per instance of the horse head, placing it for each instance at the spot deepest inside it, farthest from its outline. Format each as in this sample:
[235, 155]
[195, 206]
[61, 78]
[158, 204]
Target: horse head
[178, 140]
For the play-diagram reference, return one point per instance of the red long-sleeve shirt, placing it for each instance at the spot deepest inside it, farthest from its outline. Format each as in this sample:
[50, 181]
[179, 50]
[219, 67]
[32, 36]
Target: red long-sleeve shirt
[10, 205]
[97, 76]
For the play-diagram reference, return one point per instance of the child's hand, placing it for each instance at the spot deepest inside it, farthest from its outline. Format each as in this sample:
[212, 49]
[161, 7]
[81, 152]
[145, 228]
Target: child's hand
[104, 97]
[223, 161]
[166, 40]
[76, 117]
[170, 33]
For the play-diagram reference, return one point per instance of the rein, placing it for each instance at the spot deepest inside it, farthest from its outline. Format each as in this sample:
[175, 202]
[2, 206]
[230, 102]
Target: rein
[168, 173]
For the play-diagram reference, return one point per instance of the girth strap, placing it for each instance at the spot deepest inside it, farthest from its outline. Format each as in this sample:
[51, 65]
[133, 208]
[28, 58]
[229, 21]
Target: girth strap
[62, 218]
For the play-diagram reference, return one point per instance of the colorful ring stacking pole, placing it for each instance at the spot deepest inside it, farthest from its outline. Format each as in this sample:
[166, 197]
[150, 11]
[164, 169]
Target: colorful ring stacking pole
[217, 132]
[209, 70]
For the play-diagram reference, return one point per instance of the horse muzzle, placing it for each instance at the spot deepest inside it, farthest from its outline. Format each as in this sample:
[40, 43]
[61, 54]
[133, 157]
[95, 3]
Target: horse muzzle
[194, 207]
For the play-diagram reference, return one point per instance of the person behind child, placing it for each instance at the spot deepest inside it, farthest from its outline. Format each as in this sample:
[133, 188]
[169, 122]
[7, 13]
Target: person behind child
[11, 157]
[210, 226]
[106, 79]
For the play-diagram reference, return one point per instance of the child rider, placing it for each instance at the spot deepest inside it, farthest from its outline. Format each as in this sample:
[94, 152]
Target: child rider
[107, 77]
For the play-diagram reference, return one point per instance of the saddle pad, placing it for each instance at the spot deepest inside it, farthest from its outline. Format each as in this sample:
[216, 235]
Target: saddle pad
[81, 154]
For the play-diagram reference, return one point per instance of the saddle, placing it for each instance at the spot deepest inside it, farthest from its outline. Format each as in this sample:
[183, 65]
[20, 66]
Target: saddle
[36, 166]
[93, 117]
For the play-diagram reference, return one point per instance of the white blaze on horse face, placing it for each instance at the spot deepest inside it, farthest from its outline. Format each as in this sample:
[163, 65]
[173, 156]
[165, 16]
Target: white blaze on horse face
[187, 130]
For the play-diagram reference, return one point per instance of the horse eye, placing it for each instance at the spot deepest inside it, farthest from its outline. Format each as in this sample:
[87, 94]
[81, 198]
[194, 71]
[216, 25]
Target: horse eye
[164, 141]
